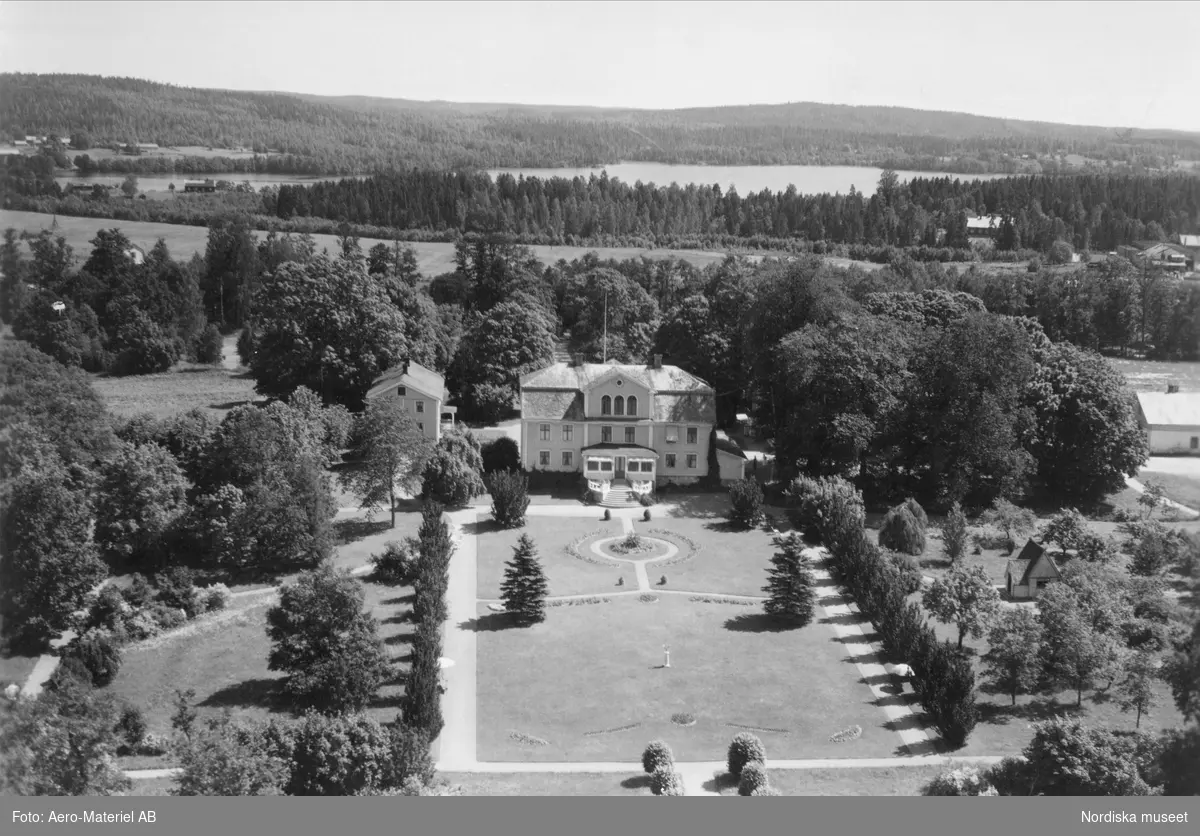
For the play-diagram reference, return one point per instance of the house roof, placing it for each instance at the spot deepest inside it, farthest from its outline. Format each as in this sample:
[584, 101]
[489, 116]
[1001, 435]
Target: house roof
[1180, 409]
[553, 404]
[725, 445]
[984, 222]
[1189, 240]
[578, 378]
[700, 408]
[414, 375]
[1032, 558]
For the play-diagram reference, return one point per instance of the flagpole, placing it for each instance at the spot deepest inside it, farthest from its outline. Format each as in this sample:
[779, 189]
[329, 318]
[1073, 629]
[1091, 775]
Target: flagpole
[605, 350]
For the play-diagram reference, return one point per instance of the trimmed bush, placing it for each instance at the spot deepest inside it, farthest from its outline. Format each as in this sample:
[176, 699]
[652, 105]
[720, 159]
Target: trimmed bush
[743, 749]
[902, 531]
[510, 498]
[753, 779]
[396, 565]
[500, 454]
[646, 515]
[745, 503]
[607, 514]
[657, 755]
[666, 781]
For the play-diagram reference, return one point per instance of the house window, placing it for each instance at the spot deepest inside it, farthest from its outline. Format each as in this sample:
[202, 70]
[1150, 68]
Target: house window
[568, 430]
[606, 465]
[630, 435]
[567, 458]
[421, 426]
[1195, 442]
[693, 435]
[420, 406]
[606, 435]
[619, 406]
[633, 466]
[672, 435]
[631, 405]
[544, 432]
[691, 461]
[401, 391]
[670, 460]
[593, 464]
[606, 405]
[543, 458]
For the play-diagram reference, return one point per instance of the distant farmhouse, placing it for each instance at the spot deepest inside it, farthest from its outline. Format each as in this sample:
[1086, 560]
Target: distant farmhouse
[421, 392]
[1171, 420]
[199, 186]
[985, 226]
[1159, 255]
[1029, 572]
[626, 427]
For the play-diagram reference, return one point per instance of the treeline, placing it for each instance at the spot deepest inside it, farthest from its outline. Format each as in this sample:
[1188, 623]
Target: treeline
[355, 135]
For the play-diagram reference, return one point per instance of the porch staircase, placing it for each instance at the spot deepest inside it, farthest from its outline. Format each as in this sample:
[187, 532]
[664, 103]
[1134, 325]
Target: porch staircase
[620, 495]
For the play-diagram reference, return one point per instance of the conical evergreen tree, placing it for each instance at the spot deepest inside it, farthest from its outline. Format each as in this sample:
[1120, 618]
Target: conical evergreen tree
[524, 588]
[791, 593]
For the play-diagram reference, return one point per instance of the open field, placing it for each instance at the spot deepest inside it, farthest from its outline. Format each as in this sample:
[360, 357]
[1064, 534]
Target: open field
[1182, 489]
[187, 386]
[565, 574]
[433, 258]
[227, 664]
[588, 683]
[1154, 375]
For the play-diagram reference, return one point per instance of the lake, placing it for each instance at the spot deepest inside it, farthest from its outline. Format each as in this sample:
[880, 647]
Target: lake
[808, 179]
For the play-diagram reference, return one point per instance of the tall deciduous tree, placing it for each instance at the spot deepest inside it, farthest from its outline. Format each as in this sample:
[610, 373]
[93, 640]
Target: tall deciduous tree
[227, 757]
[524, 587]
[964, 598]
[454, 472]
[954, 533]
[1136, 688]
[326, 643]
[1013, 520]
[390, 452]
[510, 340]
[325, 324]
[1013, 662]
[1075, 654]
[143, 493]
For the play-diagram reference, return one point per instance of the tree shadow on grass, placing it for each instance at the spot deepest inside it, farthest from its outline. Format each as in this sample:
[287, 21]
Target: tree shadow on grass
[717, 783]
[1001, 714]
[399, 638]
[490, 623]
[350, 531]
[388, 701]
[725, 526]
[399, 618]
[758, 622]
[475, 529]
[259, 693]
[637, 782]
[399, 600]
[849, 619]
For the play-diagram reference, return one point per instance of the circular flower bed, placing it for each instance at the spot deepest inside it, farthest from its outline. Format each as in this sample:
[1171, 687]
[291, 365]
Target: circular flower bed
[634, 547]
[683, 719]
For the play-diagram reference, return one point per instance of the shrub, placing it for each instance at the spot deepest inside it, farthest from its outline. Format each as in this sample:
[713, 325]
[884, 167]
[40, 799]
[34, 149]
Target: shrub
[397, 563]
[666, 781]
[109, 610]
[142, 626]
[909, 569]
[902, 531]
[607, 514]
[1009, 777]
[132, 728]
[410, 758]
[966, 780]
[500, 454]
[167, 618]
[100, 655]
[657, 755]
[175, 590]
[745, 501]
[510, 498]
[918, 512]
[71, 671]
[210, 347]
[646, 500]
[646, 515]
[139, 593]
[744, 749]
[753, 779]
[216, 597]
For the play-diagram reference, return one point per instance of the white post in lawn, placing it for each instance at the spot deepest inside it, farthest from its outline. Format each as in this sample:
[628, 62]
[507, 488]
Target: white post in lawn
[666, 655]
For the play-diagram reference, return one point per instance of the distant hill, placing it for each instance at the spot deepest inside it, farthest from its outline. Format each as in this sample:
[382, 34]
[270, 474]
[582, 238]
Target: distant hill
[345, 134]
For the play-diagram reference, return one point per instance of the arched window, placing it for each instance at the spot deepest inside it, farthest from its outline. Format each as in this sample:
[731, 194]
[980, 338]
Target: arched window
[606, 405]
[619, 406]
[631, 405]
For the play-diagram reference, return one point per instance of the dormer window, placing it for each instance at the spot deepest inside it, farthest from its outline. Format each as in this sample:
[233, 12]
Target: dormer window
[606, 405]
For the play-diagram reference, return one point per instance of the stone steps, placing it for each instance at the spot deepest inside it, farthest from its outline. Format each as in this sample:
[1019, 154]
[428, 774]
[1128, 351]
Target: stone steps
[620, 498]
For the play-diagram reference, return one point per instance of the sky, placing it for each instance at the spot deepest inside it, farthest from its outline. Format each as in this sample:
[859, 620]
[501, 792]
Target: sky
[1118, 64]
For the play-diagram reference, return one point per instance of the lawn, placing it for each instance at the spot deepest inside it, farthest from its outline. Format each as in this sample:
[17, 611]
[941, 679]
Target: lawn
[187, 386]
[225, 661]
[15, 669]
[151, 787]
[548, 783]
[728, 561]
[1181, 489]
[567, 575]
[588, 683]
[904, 780]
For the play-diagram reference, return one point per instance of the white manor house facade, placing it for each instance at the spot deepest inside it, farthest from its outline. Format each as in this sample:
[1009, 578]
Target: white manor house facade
[618, 424]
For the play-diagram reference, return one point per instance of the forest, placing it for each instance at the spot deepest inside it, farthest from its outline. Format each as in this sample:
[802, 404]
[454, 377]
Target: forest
[354, 135]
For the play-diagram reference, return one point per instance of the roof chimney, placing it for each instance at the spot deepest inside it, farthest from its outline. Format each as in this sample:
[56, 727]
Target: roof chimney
[656, 362]
[1172, 388]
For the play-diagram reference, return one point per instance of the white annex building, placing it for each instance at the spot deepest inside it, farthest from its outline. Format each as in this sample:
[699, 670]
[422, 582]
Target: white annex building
[1171, 420]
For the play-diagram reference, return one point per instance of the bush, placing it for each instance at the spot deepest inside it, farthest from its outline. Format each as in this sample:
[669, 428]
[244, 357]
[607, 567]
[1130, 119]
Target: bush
[753, 779]
[510, 498]
[594, 497]
[744, 749]
[500, 454]
[100, 655]
[746, 501]
[109, 610]
[666, 781]
[909, 568]
[410, 758]
[245, 346]
[918, 512]
[71, 671]
[1034, 265]
[396, 565]
[966, 780]
[176, 590]
[216, 597]
[646, 515]
[1061, 253]
[210, 347]
[607, 514]
[132, 728]
[142, 626]
[646, 499]
[657, 755]
[167, 618]
[902, 531]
